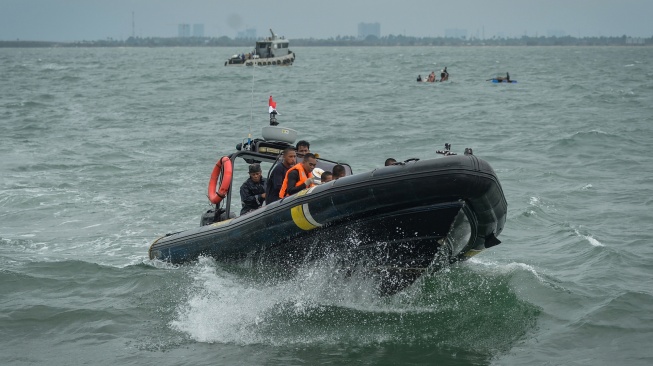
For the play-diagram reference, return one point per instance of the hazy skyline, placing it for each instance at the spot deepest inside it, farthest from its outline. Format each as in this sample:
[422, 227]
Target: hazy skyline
[76, 20]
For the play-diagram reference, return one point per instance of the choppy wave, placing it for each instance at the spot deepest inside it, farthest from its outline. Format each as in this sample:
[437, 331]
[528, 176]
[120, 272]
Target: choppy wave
[104, 150]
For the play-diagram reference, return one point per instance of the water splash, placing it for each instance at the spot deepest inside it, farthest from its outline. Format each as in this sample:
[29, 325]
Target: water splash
[589, 238]
[323, 305]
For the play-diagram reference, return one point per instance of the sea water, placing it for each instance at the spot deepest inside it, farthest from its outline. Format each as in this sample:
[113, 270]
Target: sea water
[105, 149]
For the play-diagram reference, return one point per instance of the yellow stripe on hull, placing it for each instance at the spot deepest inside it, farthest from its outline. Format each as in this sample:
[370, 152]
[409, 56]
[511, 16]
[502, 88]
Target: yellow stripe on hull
[302, 216]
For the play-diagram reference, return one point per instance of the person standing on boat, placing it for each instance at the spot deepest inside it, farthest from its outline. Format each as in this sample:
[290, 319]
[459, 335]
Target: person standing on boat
[252, 192]
[302, 147]
[299, 177]
[273, 186]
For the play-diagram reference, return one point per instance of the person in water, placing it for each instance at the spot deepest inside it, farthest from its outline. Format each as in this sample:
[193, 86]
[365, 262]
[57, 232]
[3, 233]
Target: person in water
[252, 192]
[431, 78]
[299, 177]
[419, 78]
[444, 75]
[273, 186]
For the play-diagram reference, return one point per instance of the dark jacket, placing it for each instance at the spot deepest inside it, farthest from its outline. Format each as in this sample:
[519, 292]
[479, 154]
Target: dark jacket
[273, 186]
[250, 195]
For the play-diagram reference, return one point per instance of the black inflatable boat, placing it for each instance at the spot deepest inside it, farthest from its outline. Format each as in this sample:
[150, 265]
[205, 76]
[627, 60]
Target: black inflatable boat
[395, 222]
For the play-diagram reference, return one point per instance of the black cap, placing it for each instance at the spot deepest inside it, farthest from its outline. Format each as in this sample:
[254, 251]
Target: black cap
[255, 168]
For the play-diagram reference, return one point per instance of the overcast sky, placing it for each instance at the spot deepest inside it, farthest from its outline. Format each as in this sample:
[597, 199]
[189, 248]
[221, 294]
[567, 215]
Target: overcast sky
[73, 20]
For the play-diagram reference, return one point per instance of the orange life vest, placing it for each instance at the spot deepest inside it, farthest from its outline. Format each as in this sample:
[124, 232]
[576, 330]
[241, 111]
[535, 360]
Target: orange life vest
[302, 178]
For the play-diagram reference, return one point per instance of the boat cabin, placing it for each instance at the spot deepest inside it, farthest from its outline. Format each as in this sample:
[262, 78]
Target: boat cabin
[273, 46]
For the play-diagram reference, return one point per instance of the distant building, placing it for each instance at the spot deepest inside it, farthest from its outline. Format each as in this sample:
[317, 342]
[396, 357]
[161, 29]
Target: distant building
[247, 34]
[369, 29]
[455, 33]
[198, 30]
[183, 30]
[635, 40]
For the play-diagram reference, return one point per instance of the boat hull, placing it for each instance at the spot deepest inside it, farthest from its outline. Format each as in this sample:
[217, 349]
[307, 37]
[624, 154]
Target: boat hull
[395, 221]
[285, 60]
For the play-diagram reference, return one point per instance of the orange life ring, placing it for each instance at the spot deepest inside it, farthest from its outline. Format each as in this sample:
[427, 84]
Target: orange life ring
[223, 167]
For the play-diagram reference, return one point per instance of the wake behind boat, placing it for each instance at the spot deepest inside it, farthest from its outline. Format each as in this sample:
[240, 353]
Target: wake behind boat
[392, 223]
[272, 51]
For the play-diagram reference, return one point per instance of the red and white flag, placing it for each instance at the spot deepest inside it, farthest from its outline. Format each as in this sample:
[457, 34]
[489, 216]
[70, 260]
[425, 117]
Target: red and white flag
[273, 106]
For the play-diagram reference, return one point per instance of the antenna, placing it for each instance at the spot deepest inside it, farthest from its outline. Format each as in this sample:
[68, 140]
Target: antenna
[251, 107]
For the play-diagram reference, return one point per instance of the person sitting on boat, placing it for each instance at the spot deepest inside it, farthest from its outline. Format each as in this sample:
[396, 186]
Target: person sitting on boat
[338, 171]
[326, 176]
[419, 78]
[502, 79]
[444, 75]
[299, 177]
[431, 78]
[390, 161]
[273, 186]
[302, 147]
[252, 192]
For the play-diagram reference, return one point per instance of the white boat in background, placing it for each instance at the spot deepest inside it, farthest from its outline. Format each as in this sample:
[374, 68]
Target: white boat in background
[272, 51]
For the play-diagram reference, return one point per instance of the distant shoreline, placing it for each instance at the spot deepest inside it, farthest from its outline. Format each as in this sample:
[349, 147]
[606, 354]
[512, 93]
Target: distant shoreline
[340, 42]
